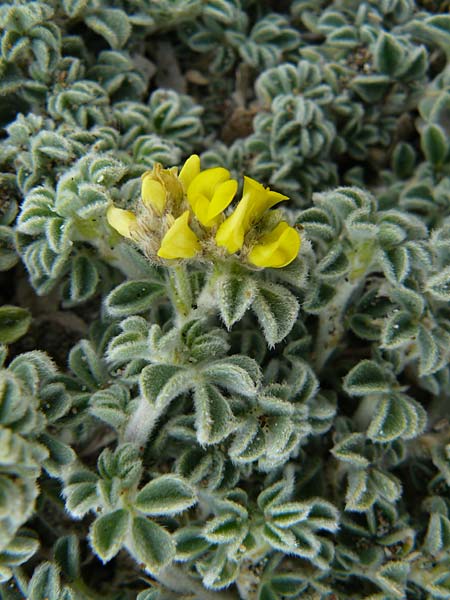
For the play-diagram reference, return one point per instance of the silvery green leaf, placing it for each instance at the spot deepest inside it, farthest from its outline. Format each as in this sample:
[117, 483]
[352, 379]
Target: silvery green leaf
[190, 543]
[287, 514]
[110, 23]
[428, 350]
[318, 296]
[235, 293]
[351, 449]
[87, 365]
[160, 384]
[370, 88]
[67, 556]
[224, 529]
[60, 453]
[74, 8]
[108, 533]
[334, 264]
[165, 495]
[14, 323]
[403, 160]
[80, 492]
[276, 309]
[389, 54]
[392, 578]
[367, 377]
[45, 583]
[437, 537]
[399, 329]
[386, 485]
[434, 144]
[360, 495]
[83, 280]
[214, 419]
[322, 515]
[231, 376]
[282, 540]
[151, 544]
[133, 297]
[397, 416]
[439, 285]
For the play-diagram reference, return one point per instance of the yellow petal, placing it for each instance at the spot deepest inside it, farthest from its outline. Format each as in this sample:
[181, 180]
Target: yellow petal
[232, 231]
[223, 195]
[256, 199]
[261, 198]
[190, 169]
[180, 241]
[201, 191]
[123, 221]
[277, 248]
[153, 193]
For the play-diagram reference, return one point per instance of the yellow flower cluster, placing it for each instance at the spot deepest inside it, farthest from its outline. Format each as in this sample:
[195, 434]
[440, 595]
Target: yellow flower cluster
[181, 215]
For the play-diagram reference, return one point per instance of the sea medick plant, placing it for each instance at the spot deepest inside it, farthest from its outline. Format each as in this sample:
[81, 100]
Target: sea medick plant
[234, 215]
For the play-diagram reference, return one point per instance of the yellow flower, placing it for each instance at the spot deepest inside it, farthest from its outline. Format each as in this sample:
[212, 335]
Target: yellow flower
[209, 192]
[256, 199]
[189, 171]
[277, 248]
[180, 241]
[153, 193]
[123, 221]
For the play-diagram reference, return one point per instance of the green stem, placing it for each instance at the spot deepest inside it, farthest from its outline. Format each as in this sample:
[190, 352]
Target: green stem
[180, 291]
[175, 579]
[141, 423]
[331, 323]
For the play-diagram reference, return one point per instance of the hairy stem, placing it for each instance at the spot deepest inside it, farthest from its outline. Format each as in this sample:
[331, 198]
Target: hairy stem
[174, 578]
[180, 291]
[331, 323]
[142, 422]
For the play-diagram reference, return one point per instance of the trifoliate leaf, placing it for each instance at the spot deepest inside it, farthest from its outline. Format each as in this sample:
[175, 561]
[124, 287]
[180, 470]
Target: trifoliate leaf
[108, 533]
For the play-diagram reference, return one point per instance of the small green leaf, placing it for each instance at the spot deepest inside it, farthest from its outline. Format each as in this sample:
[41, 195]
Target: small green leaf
[165, 495]
[152, 544]
[367, 377]
[439, 285]
[111, 23]
[83, 279]
[108, 533]
[224, 529]
[235, 294]
[45, 583]
[190, 543]
[399, 329]
[288, 514]
[389, 422]
[388, 55]
[67, 556]
[14, 323]
[213, 417]
[133, 297]
[160, 384]
[276, 309]
[434, 144]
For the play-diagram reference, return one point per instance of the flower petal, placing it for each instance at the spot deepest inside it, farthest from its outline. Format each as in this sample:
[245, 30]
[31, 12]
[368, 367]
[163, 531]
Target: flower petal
[232, 231]
[277, 248]
[180, 241]
[223, 195]
[123, 221]
[261, 198]
[153, 193]
[189, 171]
